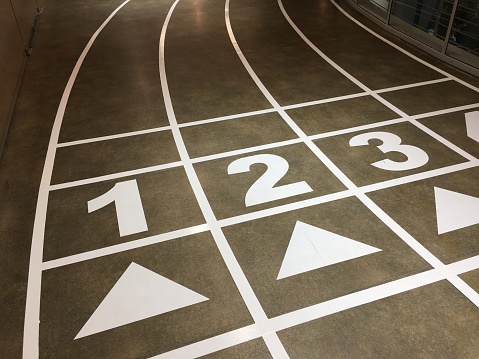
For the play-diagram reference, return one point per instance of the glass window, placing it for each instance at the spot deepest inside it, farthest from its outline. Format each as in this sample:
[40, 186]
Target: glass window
[464, 40]
[379, 8]
[425, 20]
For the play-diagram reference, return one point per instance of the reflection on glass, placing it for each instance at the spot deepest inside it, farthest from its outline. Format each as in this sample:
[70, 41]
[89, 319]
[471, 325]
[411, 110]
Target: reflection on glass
[464, 39]
[379, 8]
[424, 20]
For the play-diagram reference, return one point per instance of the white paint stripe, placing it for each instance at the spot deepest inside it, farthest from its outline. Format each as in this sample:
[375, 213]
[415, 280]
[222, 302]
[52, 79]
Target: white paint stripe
[250, 299]
[322, 54]
[323, 101]
[323, 309]
[275, 346]
[32, 309]
[255, 215]
[262, 147]
[418, 176]
[247, 150]
[442, 72]
[265, 147]
[465, 289]
[357, 128]
[444, 111]
[413, 243]
[401, 232]
[122, 247]
[281, 112]
[226, 118]
[345, 194]
[214, 344]
[465, 265]
[285, 208]
[441, 139]
[418, 84]
[114, 176]
[361, 85]
[406, 237]
[112, 137]
[355, 299]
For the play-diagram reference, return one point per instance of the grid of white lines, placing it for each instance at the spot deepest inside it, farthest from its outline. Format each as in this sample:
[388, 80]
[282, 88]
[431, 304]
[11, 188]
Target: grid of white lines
[263, 326]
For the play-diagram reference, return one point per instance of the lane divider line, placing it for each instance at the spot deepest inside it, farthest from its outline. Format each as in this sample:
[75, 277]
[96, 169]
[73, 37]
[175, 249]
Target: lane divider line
[393, 225]
[245, 289]
[32, 307]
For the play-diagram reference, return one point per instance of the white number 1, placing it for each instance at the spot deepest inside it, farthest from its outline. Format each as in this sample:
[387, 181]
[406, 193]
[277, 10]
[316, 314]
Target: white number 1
[129, 209]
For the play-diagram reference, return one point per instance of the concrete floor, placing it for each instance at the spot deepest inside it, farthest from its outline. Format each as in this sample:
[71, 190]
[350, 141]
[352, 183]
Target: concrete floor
[255, 179]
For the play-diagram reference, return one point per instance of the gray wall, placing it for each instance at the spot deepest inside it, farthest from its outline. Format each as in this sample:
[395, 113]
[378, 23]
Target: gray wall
[16, 20]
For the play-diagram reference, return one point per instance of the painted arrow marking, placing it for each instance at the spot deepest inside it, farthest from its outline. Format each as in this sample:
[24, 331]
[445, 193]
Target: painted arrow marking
[137, 295]
[312, 248]
[455, 210]
[472, 125]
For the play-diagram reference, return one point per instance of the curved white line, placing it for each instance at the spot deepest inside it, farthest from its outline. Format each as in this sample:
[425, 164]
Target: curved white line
[32, 308]
[375, 94]
[246, 292]
[425, 63]
[383, 216]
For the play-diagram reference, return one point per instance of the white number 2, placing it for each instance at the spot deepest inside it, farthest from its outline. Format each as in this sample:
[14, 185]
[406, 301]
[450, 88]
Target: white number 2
[129, 209]
[263, 189]
[392, 143]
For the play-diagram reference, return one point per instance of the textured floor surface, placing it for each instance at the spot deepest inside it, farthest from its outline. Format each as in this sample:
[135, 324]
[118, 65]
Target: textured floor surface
[249, 179]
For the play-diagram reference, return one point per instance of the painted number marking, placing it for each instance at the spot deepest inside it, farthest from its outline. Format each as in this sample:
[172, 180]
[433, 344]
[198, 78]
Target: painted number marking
[392, 143]
[129, 209]
[263, 189]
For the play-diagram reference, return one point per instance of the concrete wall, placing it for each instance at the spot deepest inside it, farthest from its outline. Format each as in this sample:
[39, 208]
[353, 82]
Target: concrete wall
[16, 20]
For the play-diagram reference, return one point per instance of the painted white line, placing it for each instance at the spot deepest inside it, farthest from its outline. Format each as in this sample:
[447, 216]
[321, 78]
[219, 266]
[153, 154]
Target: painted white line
[247, 293]
[226, 118]
[418, 84]
[418, 176]
[214, 344]
[425, 63]
[122, 247]
[444, 111]
[321, 310]
[358, 128]
[114, 176]
[421, 250]
[285, 208]
[404, 235]
[323, 101]
[441, 139]
[267, 146]
[255, 215]
[32, 309]
[356, 299]
[465, 265]
[345, 194]
[112, 137]
[275, 346]
[401, 232]
[360, 84]
[465, 289]
[247, 150]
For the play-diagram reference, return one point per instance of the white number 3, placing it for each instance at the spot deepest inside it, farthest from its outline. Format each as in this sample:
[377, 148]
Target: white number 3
[392, 143]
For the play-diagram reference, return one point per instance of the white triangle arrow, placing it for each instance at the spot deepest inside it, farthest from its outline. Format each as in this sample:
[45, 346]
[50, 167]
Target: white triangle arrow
[472, 125]
[138, 294]
[312, 248]
[455, 210]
